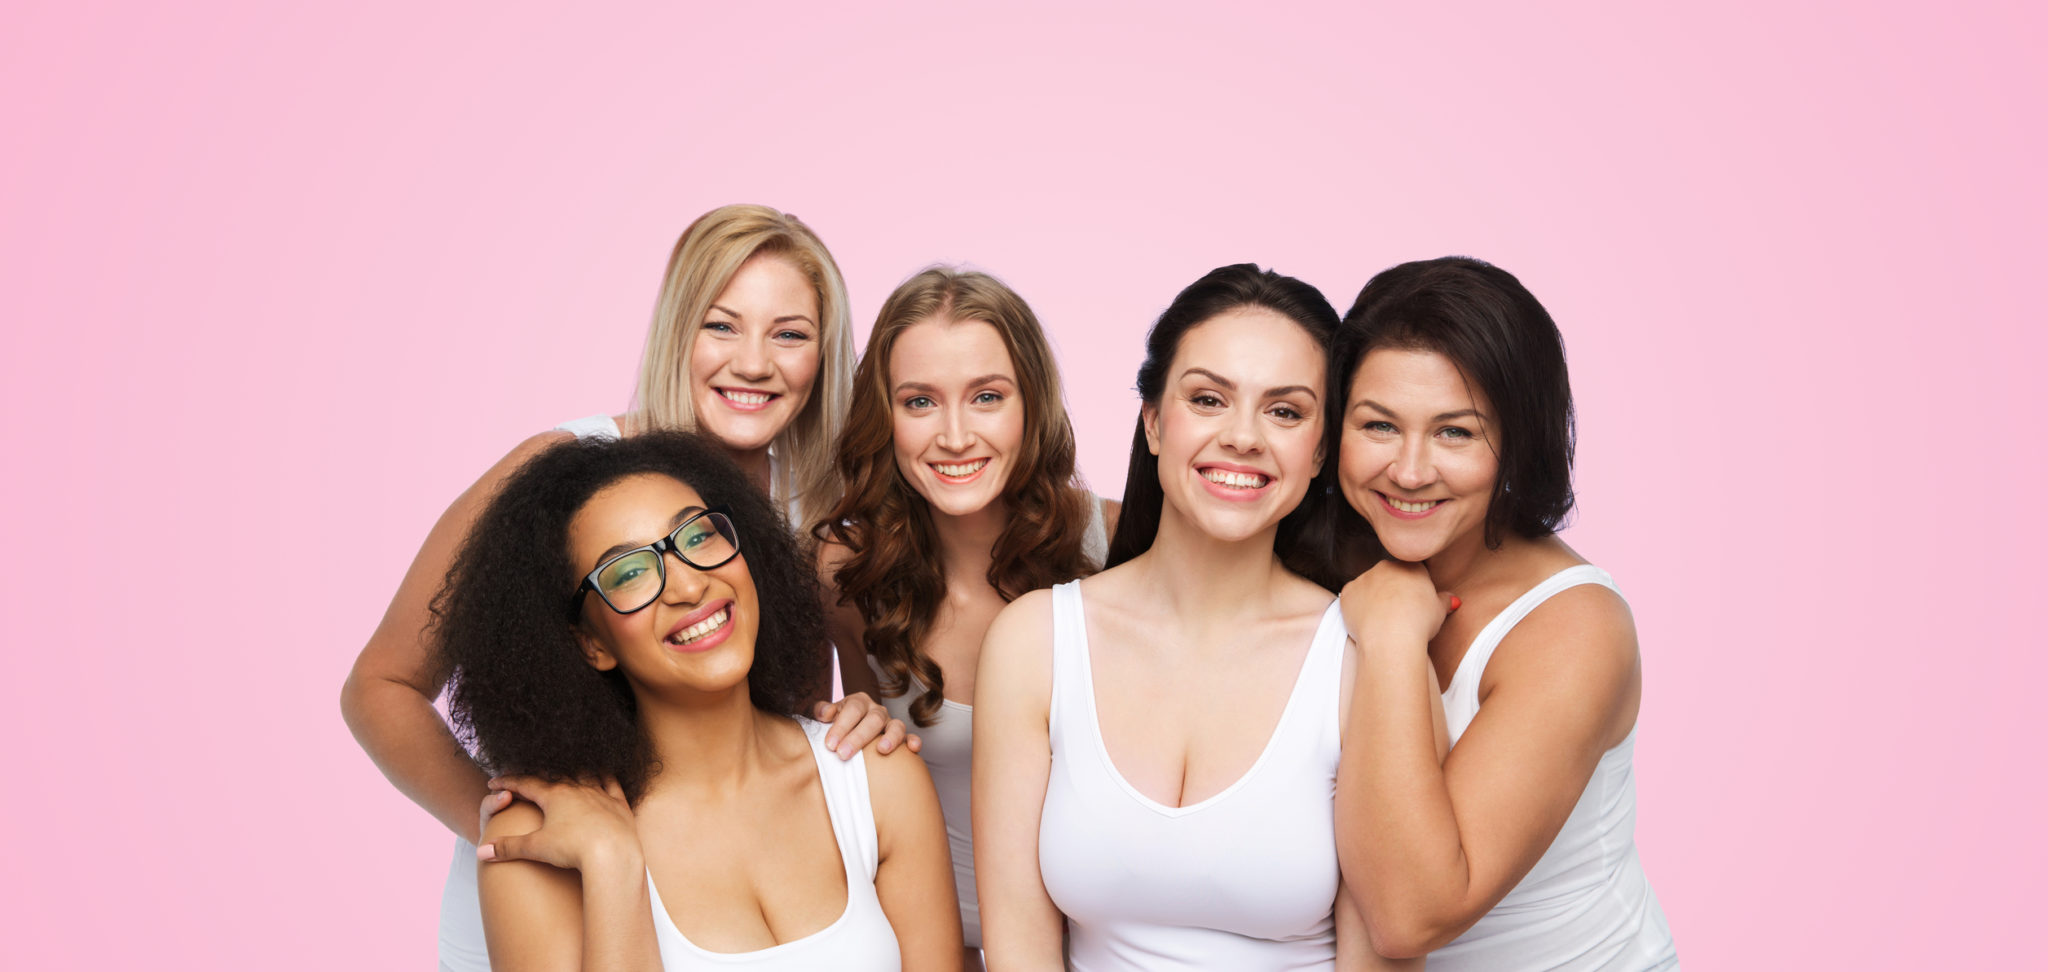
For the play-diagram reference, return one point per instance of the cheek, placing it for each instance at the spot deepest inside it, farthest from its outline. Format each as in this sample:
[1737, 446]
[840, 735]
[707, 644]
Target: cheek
[707, 355]
[799, 367]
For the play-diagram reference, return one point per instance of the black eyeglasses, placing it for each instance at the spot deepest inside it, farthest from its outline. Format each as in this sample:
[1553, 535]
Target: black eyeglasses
[634, 579]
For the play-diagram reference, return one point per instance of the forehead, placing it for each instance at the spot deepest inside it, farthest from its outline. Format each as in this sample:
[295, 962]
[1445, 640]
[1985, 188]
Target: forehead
[937, 348]
[1254, 347]
[1406, 379]
[771, 285]
[637, 509]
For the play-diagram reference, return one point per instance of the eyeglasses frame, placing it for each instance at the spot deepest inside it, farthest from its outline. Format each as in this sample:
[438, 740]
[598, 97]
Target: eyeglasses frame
[662, 548]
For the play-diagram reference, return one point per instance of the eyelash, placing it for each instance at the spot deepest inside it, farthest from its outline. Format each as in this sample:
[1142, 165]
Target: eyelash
[725, 327]
[1449, 431]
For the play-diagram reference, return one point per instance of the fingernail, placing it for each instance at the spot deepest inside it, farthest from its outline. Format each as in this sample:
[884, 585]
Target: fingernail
[488, 852]
[1455, 603]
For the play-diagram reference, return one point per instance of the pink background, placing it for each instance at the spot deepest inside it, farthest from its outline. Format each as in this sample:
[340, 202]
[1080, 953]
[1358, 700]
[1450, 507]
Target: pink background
[277, 284]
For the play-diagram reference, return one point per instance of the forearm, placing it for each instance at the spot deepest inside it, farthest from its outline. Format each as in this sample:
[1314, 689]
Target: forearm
[1401, 852]
[618, 916]
[405, 736]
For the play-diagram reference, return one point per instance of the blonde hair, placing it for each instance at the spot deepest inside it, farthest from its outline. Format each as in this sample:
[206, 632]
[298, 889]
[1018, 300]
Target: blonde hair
[710, 251]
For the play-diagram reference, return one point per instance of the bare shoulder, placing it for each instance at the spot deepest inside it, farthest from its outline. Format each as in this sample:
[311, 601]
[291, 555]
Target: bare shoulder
[895, 777]
[1583, 635]
[1026, 620]
[519, 818]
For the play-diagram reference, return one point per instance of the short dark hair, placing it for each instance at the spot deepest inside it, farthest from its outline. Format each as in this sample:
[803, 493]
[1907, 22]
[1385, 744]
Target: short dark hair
[1220, 291]
[1503, 341]
[523, 696]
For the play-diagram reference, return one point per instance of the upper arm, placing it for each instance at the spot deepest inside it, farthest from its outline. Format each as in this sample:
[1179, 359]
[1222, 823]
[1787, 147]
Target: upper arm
[1021, 927]
[914, 878]
[398, 651]
[1564, 684]
[533, 913]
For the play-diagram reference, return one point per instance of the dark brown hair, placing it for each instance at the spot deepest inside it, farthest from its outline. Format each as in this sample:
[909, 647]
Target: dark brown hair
[1503, 341]
[893, 575]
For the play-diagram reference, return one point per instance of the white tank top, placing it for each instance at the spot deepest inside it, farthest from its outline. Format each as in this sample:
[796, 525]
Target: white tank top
[461, 935]
[1586, 905]
[1246, 879]
[948, 752]
[861, 940]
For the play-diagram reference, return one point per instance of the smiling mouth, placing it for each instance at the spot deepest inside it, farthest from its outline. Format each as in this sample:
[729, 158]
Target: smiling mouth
[958, 470]
[1405, 506]
[1236, 480]
[747, 398]
[702, 629]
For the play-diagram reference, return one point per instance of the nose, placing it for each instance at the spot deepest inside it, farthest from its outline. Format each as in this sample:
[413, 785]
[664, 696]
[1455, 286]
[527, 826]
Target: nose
[686, 584]
[1242, 432]
[752, 361]
[954, 435]
[1412, 468]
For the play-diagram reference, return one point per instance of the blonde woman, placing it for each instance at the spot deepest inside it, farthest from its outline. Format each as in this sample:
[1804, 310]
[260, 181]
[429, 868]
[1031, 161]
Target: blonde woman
[749, 344]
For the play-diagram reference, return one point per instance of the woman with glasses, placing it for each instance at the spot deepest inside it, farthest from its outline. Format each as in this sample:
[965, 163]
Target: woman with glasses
[1452, 418]
[749, 344]
[630, 629]
[961, 495]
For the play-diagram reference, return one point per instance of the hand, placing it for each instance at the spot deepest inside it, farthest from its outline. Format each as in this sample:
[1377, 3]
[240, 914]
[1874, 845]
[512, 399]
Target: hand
[583, 824]
[1394, 603]
[856, 721]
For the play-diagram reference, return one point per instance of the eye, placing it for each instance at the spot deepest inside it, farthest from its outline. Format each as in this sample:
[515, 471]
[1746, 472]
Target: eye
[1205, 400]
[1286, 413]
[918, 403]
[792, 336]
[1454, 432]
[720, 327]
[988, 398]
[1377, 427]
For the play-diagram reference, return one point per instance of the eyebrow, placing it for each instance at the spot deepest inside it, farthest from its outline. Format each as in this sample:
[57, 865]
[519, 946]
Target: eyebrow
[784, 319]
[919, 386]
[674, 521]
[1229, 385]
[1440, 417]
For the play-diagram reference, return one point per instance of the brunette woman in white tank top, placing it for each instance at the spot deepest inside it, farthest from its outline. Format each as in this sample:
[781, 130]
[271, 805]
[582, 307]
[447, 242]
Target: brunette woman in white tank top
[1454, 436]
[961, 494]
[1156, 746]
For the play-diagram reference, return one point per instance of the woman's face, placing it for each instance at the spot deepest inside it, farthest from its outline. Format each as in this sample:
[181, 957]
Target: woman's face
[756, 355]
[1238, 428]
[1417, 458]
[957, 418]
[698, 634]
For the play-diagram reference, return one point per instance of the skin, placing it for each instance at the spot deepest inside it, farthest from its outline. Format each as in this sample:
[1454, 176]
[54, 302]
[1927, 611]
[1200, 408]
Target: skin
[1186, 702]
[760, 338]
[954, 397]
[388, 699]
[733, 828]
[1429, 845]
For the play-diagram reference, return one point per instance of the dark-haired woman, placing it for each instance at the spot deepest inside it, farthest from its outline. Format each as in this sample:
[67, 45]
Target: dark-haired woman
[1154, 780]
[1453, 425]
[632, 612]
[959, 461]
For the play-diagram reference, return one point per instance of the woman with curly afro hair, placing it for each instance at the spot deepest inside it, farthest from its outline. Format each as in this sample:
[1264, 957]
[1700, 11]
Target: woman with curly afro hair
[630, 627]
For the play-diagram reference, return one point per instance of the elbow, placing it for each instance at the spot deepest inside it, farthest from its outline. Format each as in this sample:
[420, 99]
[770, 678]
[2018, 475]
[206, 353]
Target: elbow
[1405, 936]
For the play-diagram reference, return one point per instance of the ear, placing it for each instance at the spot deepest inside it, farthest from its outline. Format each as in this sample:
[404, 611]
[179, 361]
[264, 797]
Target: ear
[1149, 415]
[594, 652]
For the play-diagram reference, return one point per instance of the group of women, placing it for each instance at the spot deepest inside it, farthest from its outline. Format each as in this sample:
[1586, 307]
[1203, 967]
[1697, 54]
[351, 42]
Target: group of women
[1324, 690]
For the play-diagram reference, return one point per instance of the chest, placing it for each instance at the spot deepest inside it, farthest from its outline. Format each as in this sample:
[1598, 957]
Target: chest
[748, 874]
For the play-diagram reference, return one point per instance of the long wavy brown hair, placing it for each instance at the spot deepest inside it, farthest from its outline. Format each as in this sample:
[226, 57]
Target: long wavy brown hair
[893, 575]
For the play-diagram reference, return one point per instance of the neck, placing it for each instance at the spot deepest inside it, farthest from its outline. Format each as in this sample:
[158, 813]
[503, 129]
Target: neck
[1198, 575]
[706, 741]
[754, 462]
[967, 542]
[1466, 562]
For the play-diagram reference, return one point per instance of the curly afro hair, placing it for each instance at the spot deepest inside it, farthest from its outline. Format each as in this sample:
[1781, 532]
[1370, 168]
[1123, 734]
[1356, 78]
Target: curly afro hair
[522, 696]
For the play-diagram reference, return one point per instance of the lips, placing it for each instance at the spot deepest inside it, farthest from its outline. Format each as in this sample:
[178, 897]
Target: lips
[1233, 482]
[703, 628]
[747, 399]
[1408, 509]
[958, 472]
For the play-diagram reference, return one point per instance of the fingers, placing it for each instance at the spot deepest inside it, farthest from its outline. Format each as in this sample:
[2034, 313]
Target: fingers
[496, 801]
[612, 787]
[860, 721]
[515, 847]
[825, 712]
[914, 741]
[892, 736]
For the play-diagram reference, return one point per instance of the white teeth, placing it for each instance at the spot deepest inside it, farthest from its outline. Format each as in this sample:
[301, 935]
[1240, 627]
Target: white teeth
[702, 628]
[959, 468]
[745, 397]
[1412, 507]
[1236, 479]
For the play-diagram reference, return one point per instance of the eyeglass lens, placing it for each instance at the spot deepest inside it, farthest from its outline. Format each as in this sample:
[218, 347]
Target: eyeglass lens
[633, 581]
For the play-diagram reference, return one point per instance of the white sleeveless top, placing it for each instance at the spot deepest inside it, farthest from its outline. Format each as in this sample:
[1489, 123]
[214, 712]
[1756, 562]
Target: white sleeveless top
[861, 940]
[1244, 880]
[1586, 905]
[948, 752]
[462, 922]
